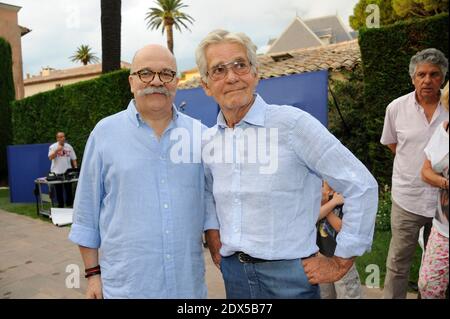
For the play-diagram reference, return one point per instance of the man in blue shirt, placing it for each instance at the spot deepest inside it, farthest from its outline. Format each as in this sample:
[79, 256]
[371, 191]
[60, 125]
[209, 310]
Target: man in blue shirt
[264, 165]
[139, 216]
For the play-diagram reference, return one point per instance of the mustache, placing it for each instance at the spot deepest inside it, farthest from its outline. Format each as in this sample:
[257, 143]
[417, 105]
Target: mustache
[153, 89]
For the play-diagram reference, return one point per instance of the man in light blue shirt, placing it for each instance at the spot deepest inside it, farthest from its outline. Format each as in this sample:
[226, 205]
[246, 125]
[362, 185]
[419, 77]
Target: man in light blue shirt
[138, 216]
[264, 165]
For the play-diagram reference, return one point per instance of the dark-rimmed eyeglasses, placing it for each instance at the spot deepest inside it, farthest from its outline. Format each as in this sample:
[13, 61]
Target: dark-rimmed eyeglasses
[147, 75]
[219, 72]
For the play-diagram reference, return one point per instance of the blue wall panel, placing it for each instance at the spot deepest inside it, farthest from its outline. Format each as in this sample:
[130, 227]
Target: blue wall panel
[307, 91]
[25, 164]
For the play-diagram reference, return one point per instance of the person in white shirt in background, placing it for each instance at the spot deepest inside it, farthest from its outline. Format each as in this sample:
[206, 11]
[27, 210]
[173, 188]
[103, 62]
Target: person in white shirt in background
[408, 126]
[63, 157]
[433, 277]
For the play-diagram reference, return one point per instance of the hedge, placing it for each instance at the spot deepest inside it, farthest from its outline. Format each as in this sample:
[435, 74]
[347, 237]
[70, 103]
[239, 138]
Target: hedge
[7, 94]
[385, 54]
[74, 109]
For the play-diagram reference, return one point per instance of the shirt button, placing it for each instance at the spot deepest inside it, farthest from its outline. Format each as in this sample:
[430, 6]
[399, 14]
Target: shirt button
[168, 256]
[166, 206]
[167, 232]
[162, 158]
[163, 181]
[236, 200]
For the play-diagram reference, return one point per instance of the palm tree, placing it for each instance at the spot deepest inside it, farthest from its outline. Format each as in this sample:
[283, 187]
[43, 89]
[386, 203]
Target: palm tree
[111, 21]
[84, 55]
[166, 16]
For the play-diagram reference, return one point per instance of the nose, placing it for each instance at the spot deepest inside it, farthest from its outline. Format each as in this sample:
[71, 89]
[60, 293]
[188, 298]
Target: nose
[428, 78]
[156, 81]
[231, 77]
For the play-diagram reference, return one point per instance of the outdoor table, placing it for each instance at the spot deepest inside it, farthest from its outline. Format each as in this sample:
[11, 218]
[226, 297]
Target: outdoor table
[42, 198]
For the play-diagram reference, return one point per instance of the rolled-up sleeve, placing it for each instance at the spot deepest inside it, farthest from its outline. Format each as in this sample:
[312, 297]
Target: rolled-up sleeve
[89, 195]
[330, 160]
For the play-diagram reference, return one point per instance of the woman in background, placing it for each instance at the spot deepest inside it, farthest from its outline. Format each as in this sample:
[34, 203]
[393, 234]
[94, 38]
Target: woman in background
[433, 277]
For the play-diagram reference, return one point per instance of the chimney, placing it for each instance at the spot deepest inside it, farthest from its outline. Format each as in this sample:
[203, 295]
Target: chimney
[46, 71]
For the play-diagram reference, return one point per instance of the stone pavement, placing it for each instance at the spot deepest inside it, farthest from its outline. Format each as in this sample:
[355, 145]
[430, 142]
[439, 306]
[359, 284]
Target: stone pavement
[34, 256]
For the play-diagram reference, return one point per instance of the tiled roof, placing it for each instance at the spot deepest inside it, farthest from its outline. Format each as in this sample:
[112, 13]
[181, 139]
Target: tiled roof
[334, 23]
[85, 70]
[333, 57]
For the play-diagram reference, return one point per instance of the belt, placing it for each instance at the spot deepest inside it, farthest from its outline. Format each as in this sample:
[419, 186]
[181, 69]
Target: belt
[247, 259]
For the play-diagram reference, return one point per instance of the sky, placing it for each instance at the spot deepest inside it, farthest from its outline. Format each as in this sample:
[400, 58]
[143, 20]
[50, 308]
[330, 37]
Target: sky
[60, 26]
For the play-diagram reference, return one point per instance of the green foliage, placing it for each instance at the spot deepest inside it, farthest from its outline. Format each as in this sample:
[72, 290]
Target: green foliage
[387, 14]
[84, 55]
[383, 220]
[168, 11]
[347, 93]
[7, 95]
[392, 11]
[74, 109]
[419, 8]
[386, 53]
[166, 15]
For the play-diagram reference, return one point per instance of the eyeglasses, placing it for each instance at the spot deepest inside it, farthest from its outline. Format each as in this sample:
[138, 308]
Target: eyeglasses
[147, 75]
[220, 71]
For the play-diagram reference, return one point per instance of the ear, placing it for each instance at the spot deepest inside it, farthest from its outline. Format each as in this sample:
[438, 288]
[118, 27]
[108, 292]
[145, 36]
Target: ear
[130, 81]
[257, 77]
[206, 88]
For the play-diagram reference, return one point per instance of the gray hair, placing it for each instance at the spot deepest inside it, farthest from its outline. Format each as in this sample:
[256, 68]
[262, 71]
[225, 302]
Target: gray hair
[220, 36]
[432, 56]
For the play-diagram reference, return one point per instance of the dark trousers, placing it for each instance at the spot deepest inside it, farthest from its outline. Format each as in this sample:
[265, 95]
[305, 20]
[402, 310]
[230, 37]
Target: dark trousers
[60, 189]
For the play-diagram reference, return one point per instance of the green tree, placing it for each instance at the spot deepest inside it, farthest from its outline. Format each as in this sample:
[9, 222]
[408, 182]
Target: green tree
[111, 21]
[392, 11]
[387, 14]
[165, 16]
[407, 9]
[84, 55]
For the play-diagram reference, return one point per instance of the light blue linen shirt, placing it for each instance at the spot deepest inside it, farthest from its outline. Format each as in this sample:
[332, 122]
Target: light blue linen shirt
[273, 216]
[144, 212]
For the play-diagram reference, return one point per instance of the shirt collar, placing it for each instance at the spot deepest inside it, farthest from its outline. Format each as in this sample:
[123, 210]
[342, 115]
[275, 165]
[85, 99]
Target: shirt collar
[137, 119]
[255, 116]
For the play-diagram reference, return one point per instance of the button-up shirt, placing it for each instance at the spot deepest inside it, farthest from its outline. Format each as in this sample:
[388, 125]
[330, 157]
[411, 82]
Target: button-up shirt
[144, 212]
[406, 125]
[266, 204]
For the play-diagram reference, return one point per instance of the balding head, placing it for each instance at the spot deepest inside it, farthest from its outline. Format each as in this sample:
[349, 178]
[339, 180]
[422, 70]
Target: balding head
[153, 52]
[152, 94]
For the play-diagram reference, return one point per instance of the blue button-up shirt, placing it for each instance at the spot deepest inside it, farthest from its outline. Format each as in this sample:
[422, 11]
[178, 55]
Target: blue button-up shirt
[144, 212]
[269, 208]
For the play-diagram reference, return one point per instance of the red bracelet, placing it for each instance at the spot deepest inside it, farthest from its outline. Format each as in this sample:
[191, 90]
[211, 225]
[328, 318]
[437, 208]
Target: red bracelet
[92, 271]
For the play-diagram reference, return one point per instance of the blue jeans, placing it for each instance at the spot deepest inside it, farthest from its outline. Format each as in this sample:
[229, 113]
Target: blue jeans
[284, 279]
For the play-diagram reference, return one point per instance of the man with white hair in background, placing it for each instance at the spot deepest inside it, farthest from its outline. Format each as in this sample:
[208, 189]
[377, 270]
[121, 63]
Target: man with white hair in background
[409, 123]
[138, 216]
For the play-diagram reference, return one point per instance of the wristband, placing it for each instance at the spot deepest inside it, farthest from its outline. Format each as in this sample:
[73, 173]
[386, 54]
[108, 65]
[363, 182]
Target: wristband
[92, 271]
